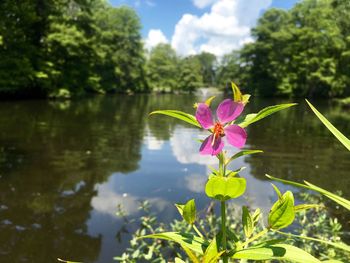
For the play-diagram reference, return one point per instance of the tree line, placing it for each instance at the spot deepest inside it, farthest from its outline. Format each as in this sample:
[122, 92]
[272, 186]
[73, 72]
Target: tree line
[74, 47]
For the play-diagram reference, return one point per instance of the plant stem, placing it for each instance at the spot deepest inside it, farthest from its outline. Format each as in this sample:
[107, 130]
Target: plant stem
[222, 169]
[197, 231]
[223, 229]
[261, 233]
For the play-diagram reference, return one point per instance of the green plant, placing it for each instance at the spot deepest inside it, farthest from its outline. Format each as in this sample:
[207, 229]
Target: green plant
[224, 184]
[316, 222]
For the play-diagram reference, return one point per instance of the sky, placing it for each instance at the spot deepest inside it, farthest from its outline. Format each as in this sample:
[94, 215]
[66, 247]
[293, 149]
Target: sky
[194, 26]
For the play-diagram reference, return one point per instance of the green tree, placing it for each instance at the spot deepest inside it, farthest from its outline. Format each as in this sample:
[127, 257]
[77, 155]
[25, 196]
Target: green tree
[207, 62]
[163, 67]
[190, 76]
[300, 52]
[76, 45]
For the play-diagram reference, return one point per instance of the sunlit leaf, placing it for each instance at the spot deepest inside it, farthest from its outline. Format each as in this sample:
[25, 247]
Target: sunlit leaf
[278, 192]
[336, 198]
[340, 200]
[68, 261]
[190, 254]
[225, 188]
[282, 212]
[180, 208]
[256, 216]
[212, 255]
[303, 207]
[189, 212]
[208, 101]
[341, 137]
[241, 153]
[245, 98]
[338, 245]
[179, 260]
[178, 115]
[278, 251]
[247, 221]
[254, 117]
[237, 94]
[190, 241]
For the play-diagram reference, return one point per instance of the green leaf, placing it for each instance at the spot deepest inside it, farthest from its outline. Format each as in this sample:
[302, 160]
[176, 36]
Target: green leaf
[245, 98]
[239, 170]
[241, 153]
[278, 192]
[178, 115]
[248, 223]
[254, 117]
[256, 216]
[189, 241]
[340, 200]
[282, 212]
[278, 251]
[237, 94]
[180, 208]
[208, 101]
[190, 254]
[179, 260]
[211, 254]
[303, 207]
[336, 198]
[338, 245]
[341, 137]
[67, 261]
[269, 242]
[225, 188]
[189, 212]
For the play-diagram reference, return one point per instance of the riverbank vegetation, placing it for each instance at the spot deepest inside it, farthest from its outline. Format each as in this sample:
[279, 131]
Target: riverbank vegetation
[318, 222]
[55, 47]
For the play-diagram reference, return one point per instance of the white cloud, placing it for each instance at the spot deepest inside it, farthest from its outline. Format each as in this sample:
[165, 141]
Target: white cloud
[185, 147]
[195, 182]
[107, 199]
[152, 143]
[203, 3]
[224, 28]
[155, 37]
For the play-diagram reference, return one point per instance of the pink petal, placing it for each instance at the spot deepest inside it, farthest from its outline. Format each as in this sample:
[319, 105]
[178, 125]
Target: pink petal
[208, 148]
[228, 110]
[203, 116]
[236, 135]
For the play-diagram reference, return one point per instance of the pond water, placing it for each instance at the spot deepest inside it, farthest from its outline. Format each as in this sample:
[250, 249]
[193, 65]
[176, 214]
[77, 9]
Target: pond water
[65, 166]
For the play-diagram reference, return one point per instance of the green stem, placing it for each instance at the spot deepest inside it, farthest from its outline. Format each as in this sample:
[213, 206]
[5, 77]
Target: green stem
[197, 231]
[223, 209]
[260, 234]
[223, 229]
[342, 246]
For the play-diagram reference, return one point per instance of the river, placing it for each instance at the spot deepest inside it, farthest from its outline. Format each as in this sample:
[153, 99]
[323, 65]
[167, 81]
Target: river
[66, 165]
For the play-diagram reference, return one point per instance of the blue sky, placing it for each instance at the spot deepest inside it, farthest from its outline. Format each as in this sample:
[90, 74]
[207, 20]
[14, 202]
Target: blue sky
[192, 26]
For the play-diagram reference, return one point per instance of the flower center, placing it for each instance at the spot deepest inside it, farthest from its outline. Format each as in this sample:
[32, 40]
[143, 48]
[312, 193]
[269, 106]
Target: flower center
[218, 130]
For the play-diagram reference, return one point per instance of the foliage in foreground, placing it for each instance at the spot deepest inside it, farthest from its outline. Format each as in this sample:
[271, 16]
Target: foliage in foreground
[317, 223]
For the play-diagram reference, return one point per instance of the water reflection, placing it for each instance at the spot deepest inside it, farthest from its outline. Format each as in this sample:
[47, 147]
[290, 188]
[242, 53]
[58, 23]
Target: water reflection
[298, 147]
[64, 167]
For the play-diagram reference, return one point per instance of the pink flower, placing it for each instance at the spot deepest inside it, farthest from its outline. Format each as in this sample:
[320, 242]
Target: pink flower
[227, 111]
